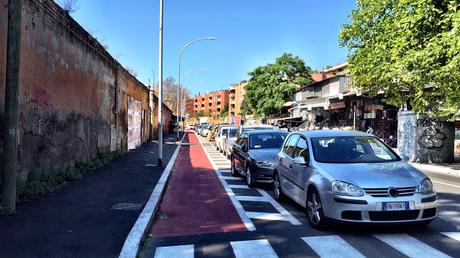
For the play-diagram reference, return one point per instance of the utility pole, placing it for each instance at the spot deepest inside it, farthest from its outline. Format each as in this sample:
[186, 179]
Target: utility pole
[160, 90]
[10, 132]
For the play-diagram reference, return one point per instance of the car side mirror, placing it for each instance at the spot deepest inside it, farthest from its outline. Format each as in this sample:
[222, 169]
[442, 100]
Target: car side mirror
[300, 161]
[244, 147]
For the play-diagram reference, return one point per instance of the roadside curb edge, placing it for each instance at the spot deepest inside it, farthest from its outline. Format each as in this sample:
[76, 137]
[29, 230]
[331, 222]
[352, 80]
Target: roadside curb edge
[132, 244]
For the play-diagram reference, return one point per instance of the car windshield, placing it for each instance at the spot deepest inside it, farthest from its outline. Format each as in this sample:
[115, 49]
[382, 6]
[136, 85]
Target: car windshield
[351, 149]
[266, 140]
[232, 133]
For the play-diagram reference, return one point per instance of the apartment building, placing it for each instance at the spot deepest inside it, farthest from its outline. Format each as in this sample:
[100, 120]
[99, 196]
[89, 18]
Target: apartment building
[236, 97]
[210, 104]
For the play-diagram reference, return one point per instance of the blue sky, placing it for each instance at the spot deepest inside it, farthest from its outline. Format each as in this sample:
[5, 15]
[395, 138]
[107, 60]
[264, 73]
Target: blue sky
[250, 32]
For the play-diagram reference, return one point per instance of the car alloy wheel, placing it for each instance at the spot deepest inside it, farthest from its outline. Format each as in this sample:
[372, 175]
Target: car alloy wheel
[315, 210]
[249, 179]
[279, 195]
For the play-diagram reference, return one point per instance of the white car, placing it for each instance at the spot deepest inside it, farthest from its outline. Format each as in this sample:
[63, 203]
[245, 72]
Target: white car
[230, 141]
[221, 136]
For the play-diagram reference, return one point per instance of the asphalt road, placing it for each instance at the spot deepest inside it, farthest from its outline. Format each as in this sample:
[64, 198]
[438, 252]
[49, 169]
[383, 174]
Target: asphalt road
[282, 230]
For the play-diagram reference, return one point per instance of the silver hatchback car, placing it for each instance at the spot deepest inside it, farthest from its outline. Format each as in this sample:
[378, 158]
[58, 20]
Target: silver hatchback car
[353, 177]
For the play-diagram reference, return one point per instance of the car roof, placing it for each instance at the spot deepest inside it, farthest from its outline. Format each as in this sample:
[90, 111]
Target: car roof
[331, 133]
[265, 131]
[256, 126]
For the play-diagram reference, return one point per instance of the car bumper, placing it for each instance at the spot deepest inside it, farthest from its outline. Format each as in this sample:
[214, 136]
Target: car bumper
[262, 174]
[368, 209]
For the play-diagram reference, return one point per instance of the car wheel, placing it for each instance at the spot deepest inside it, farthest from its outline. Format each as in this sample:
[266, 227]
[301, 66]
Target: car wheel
[279, 195]
[249, 178]
[315, 210]
[232, 168]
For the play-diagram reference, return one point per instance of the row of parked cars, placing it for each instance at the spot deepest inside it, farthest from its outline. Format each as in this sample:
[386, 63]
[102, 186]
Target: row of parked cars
[335, 175]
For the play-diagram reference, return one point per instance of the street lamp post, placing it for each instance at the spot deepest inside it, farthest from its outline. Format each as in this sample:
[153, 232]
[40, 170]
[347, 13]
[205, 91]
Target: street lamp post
[160, 90]
[178, 88]
[180, 99]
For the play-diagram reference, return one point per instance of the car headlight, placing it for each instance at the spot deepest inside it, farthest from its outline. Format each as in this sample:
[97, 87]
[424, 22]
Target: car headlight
[425, 187]
[266, 163]
[344, 188]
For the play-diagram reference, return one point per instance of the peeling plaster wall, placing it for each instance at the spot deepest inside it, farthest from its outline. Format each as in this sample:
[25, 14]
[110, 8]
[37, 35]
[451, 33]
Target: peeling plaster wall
[73, 94]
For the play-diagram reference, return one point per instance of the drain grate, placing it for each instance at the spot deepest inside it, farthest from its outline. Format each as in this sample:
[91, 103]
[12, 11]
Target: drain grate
[127, 206]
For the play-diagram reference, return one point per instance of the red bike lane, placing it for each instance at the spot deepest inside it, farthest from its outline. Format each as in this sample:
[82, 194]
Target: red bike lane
[195, 202]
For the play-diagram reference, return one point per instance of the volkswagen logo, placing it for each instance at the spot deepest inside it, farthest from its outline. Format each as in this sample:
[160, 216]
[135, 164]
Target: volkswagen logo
[393, 192]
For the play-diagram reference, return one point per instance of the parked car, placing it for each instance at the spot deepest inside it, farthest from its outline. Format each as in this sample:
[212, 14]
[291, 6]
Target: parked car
[353, 177]
[245, 128]
[205, 130]
[221, 136]
[254, 155]
[230, 141]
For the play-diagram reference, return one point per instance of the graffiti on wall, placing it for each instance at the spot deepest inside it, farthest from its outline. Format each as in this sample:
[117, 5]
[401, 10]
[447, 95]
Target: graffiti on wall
[435, 141]
[134, 123]
[406, 134]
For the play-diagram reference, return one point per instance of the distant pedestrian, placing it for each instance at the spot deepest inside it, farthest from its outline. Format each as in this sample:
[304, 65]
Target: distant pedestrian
[370, 130]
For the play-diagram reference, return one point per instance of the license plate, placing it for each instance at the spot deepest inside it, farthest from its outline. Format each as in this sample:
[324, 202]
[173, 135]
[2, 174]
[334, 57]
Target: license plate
[395, 206]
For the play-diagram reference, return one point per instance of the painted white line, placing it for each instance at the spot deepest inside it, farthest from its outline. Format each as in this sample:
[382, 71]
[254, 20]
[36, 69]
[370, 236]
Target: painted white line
[280, 208]
[132, 243]
[454, 235]
[253, 248]
[442, 183]
[232, 178]
[410, 246]
[239, 186]
[177, 251]
[266, 216]
[239, 208]
[251, 198]
[332, 247]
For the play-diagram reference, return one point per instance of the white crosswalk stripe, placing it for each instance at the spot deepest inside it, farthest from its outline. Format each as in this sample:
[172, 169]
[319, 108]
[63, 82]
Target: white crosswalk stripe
[223, 164]
[332, 247]
[454, 235]
[177, 251]
[410, 246]
[253, 248]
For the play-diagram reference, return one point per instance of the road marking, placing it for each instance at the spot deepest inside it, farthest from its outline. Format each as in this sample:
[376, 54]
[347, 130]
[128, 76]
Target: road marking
[332, 247]
[267, 216]
[239, 208]
[410, 246]
[253, 248]
[231, 178]
[251, 198]
[280, 208]
[442, 183]
[239, 186]
[177, 251]
[454, 235]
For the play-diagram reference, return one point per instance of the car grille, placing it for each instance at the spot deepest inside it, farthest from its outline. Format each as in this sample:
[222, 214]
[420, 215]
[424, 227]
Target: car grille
[393, 215]
[383, 192]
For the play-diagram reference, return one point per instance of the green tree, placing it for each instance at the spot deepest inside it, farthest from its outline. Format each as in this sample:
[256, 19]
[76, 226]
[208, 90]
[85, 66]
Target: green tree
[410, 49]
[272, 85]
[224, 112]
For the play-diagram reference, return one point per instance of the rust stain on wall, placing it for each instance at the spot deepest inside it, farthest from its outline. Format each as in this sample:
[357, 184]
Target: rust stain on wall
[73, 94]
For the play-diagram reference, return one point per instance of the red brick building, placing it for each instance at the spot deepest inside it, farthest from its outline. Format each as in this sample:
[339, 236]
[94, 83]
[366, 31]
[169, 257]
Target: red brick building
[211, 104]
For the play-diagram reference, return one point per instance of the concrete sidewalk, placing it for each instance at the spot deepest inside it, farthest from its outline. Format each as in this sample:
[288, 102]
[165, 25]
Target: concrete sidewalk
[86, 218]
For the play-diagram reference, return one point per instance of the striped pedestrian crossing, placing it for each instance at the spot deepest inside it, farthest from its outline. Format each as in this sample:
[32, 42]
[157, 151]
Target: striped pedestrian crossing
[223, 166]
[329, 246]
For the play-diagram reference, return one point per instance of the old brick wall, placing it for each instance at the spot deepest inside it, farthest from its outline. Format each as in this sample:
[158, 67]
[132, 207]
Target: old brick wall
[73, 94]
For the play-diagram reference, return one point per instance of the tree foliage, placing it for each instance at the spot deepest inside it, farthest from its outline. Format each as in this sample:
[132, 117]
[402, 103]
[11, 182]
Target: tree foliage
[410, 49]
[272, 85]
